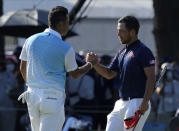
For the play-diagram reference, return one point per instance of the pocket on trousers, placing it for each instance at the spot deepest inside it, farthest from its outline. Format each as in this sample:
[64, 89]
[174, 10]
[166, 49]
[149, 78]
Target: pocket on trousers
[30, 98]
[51, 104]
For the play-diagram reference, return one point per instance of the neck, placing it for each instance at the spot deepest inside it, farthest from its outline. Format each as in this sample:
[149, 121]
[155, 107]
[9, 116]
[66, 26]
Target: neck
[60, 32]
[132, 41]
[57, 31]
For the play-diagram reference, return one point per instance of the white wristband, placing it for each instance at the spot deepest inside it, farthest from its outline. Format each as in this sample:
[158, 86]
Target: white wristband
[90, 64]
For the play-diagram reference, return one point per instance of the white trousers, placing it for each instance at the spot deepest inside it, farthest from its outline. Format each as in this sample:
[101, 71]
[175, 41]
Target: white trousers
[46, 109]
[115, 120]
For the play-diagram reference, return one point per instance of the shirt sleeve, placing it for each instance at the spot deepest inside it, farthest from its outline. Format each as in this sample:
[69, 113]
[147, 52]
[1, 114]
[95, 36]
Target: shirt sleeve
[114, 64]
[146, 58]
[70, 61]
[23, 55]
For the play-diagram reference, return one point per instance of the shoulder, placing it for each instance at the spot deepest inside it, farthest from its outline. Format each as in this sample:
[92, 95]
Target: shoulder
[143, 49]
[70, 53]
[35, 36]
[38, 35]
[121, 51]
[58, 42]
[67, 45]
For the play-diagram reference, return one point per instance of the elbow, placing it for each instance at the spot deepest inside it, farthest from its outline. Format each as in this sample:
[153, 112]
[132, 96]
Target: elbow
[158, 91]
[75, 76]
[109, 77]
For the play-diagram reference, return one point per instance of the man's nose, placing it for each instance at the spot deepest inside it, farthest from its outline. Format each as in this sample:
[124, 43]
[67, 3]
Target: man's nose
[119, 34]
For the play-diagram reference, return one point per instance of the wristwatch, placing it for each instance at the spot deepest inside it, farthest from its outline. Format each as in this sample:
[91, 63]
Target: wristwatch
[90, 64]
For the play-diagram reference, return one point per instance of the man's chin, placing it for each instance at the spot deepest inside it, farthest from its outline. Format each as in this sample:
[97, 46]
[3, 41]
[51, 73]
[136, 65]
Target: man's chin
[123, 42]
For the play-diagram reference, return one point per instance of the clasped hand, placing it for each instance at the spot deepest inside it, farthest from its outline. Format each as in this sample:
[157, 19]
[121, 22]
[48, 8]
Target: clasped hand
[92, 57]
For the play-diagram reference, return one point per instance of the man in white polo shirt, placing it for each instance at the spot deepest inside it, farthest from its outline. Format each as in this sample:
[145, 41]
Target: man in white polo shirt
[45, 59]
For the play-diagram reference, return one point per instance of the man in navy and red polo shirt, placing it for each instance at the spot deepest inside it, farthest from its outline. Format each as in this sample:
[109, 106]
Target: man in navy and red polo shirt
[134, 66]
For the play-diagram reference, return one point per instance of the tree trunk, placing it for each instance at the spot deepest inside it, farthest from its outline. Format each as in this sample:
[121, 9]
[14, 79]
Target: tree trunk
[72, 15]
[75, 10]
[166, 28]
[2, 54]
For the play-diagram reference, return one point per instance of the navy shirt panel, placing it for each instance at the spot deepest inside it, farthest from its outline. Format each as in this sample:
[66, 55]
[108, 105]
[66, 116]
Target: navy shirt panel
[131, 62]
[146, 57]
[115, 63]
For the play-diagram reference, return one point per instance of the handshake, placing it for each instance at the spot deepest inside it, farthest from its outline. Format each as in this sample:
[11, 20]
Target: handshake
[91, 58]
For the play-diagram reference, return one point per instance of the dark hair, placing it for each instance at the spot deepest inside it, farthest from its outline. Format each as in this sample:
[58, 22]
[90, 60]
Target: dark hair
[130, 22]
[57, 14]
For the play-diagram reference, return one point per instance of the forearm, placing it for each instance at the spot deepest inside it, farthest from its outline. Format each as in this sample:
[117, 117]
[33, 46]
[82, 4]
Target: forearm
[104, 71]
[80, 71]
[23, 72]
[150, 84]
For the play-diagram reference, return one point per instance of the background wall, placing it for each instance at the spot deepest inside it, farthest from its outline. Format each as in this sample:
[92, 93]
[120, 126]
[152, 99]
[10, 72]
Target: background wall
[100, 36]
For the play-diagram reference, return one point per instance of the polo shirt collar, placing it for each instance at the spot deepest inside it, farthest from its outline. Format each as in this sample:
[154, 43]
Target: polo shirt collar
[53, 32]
[133, 44]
